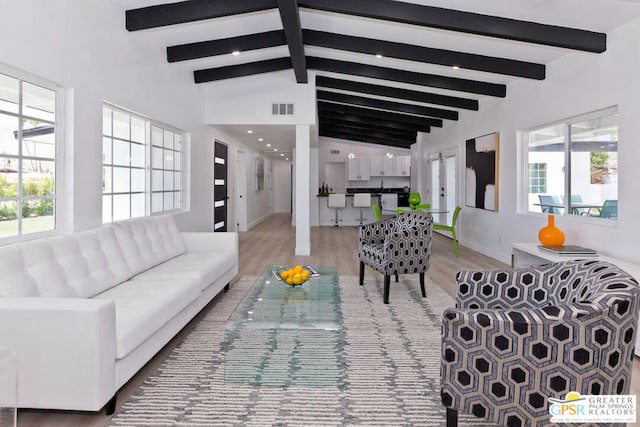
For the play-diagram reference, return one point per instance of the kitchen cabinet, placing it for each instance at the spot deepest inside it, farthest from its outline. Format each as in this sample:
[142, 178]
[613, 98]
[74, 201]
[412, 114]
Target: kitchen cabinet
[403, 165]
[382, 166]
[358, 169]
[389, 202]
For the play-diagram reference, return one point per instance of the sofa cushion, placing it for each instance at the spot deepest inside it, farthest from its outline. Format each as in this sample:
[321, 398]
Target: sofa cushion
[206, 267]
[92, 260]
[147, 242]
[145, 306]
[31, 269]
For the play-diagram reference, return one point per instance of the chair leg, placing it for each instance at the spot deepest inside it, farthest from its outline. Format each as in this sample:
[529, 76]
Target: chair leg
[455, 240]
[361, 273]
[396, 278]
[452, 418]
[424, 292]
[387, 283]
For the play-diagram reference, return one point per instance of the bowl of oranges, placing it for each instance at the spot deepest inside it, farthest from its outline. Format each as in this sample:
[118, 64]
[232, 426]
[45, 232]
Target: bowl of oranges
[295, 276]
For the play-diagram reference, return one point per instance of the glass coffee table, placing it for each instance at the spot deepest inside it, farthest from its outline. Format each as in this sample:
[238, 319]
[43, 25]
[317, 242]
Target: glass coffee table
[281, 335]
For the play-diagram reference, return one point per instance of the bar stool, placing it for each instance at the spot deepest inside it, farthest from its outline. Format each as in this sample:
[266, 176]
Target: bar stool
[337, 201]
[362, 200]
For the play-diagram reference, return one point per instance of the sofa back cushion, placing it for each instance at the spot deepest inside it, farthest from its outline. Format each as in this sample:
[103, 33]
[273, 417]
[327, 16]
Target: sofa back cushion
[147, 242]
[92, 260]
[30, 269]
[75, 265]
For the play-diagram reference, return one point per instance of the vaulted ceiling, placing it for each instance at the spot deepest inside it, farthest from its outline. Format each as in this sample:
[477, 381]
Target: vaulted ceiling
[385, 69]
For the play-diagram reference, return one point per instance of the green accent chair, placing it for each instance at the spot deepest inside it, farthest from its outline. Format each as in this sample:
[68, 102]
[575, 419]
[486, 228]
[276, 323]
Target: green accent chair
[451, 228]
[377, 212]
[423, 207]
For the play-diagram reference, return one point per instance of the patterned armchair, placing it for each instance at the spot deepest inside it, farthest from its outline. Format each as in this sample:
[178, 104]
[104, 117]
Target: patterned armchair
[519, 337]
[395, 246]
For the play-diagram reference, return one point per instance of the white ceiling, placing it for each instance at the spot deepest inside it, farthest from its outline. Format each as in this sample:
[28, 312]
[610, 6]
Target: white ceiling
[594, 15]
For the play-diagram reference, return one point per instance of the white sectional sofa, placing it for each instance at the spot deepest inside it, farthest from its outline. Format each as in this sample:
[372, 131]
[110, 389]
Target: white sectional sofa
[85, 311]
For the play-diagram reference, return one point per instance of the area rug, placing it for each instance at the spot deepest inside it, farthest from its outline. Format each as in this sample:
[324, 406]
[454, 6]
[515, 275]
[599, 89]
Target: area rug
[391, 377]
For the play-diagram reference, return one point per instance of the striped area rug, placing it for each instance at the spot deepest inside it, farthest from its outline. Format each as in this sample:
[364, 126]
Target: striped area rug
[391, 369]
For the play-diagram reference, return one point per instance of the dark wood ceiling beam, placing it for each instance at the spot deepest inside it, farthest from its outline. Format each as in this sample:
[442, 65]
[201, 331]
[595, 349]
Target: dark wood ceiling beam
[360, 138]
[401, 133]
[293, 33]
[394, 92]
[386, 105]
[189, 11]
[368, 133]
[466, 22]
[225, 46]
[370, 121]
[411, 77]
[241, 70]
[378, 114]
[409, 52]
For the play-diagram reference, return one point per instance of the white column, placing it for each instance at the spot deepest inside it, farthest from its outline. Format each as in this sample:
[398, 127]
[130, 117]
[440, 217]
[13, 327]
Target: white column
[302, 184]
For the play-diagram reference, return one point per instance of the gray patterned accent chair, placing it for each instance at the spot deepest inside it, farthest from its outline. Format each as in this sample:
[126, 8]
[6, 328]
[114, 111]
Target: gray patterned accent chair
[395, 246]
[518, 337]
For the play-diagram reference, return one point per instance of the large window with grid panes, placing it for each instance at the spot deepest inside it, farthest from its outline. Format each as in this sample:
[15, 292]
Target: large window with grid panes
[580, 174]
[142, 171]
[29, 155]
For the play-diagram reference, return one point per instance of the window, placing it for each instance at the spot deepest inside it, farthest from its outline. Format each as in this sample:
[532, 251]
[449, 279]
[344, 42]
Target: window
[131, 143]
[28, 156]
[537, 178]
[580, 158]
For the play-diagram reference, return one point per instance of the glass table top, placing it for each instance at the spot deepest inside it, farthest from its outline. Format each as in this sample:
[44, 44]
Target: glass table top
[281, 335]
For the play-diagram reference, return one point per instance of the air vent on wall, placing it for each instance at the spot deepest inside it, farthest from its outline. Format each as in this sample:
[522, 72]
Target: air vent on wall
[282, 109]
[335, 151]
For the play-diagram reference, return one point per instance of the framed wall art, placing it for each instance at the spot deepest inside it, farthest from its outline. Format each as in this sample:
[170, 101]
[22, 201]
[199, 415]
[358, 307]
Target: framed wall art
[259, 174]
[481, 172]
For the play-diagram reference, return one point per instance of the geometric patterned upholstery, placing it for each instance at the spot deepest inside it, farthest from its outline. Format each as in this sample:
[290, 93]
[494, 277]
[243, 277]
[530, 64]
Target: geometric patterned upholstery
[517, 337]
[395, 246]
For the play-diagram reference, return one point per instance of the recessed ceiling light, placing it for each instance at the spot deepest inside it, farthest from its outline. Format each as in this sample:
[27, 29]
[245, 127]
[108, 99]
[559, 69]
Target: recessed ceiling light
[268, 145]
[281, 154]
[260, 139]
[275, 149]
[378, 56]
[249, 131]
[286, 158]
[235, 53]
[455, 67]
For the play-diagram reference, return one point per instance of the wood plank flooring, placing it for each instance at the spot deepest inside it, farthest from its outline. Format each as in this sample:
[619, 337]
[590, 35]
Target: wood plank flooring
[273, 243]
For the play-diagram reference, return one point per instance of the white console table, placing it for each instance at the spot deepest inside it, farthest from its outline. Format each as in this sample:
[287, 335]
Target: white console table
[527, 254]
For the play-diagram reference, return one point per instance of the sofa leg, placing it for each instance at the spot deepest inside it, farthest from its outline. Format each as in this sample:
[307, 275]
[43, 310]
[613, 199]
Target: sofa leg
[424, 292]
[110, 407]
[361, 273]
[387, 283]
[452, 418]
[226, 287]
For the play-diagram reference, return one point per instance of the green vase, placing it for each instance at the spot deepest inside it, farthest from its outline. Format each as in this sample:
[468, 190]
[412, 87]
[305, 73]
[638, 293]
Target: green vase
[414, 200]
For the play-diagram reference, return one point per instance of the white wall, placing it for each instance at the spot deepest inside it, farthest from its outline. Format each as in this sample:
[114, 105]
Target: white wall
[577, 83]
[83, 47]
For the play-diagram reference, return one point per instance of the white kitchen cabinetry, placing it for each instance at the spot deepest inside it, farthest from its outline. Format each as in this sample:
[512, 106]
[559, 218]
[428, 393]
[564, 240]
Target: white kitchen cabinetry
[382, 166]
[358, 169]
[403, 165]
[389, 202]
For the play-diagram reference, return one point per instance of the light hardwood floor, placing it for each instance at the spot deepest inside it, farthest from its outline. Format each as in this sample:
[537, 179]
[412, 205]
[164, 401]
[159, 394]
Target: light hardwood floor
[273, 243]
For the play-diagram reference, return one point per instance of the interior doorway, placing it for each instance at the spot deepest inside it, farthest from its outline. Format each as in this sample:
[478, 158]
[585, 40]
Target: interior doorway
[443, 193]
[220, 186]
